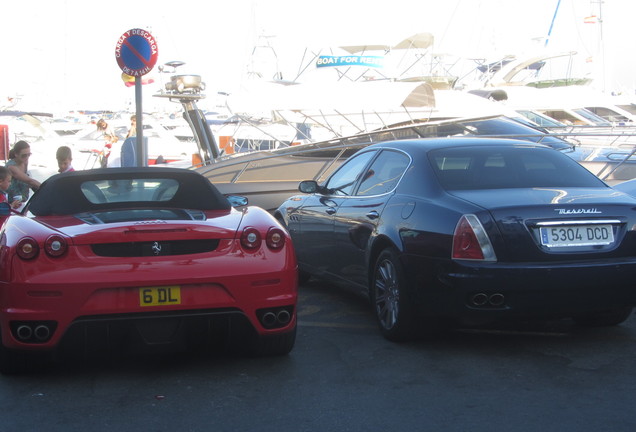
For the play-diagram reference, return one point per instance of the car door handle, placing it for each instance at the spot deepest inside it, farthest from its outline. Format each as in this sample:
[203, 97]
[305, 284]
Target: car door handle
[373, 214]
[330, 211]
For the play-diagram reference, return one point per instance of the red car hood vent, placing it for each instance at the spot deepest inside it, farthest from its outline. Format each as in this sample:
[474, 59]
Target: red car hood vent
[155, 248]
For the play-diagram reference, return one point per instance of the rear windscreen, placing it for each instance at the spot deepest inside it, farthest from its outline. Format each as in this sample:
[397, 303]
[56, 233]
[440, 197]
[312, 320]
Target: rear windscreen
[138, 190]
[495, 167]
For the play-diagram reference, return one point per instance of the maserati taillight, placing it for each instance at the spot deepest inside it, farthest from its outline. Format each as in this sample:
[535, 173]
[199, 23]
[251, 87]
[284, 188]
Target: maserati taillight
[470, 241]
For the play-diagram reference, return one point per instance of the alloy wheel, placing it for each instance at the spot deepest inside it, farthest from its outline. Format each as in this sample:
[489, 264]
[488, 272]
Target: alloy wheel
[387, 294]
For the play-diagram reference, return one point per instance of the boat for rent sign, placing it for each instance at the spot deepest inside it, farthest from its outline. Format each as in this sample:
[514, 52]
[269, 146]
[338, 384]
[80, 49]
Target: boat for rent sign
[136, 52]
[353, 60]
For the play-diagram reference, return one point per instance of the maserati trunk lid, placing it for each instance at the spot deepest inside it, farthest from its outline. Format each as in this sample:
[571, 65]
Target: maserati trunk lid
[574, 223]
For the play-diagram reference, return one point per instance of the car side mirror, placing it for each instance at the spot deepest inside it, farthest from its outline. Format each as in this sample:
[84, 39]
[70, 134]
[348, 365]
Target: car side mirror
[308, 186]
[237, 200]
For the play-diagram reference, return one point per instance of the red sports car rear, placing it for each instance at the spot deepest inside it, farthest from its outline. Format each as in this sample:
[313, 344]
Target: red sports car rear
[147, 257]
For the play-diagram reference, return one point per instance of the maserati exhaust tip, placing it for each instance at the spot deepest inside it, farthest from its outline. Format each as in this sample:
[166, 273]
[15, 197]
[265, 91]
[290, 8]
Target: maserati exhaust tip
[496, 299]
[482, 300]
[479, 299]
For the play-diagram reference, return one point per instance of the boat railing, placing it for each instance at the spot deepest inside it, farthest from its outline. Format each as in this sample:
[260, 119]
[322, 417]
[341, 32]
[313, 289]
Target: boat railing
[608, 169]
[595, 132]
[594, 136]
[326, 153]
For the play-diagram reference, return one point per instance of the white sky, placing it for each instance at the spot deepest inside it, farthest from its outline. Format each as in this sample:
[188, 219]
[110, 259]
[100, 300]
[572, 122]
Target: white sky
[60, 55]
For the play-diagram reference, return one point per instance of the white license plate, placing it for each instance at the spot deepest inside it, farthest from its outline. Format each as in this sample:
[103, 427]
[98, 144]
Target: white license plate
[577, 235]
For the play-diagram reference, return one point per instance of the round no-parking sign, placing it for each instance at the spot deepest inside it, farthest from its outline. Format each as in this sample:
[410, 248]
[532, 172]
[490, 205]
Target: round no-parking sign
[136, 52]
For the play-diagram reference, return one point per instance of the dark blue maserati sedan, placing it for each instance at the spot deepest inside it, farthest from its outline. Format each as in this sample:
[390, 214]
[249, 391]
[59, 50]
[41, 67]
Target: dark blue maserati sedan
[468, 231]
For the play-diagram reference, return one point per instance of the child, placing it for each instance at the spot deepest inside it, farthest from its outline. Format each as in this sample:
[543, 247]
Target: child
[64, 158]
[5, 182]
[110, 139]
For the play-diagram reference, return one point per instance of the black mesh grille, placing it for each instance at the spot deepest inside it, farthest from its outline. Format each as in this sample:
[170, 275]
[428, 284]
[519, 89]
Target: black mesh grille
[155, 248]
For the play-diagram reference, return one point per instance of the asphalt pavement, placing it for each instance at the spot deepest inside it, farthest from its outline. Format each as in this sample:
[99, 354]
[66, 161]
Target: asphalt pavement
[343, 376]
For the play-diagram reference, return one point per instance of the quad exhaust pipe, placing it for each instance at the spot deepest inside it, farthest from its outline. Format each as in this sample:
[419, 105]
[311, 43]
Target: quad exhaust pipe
[283, 317]
[269, 319]
[42, 333]
[34, 332]
[487, 300]
[275, 318]
[24, 332]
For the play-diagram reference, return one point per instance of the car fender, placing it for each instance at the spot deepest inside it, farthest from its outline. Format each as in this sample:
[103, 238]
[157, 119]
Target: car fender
[16, 227]
[261, 219]
[387, 233]
[253, 216]
[291, 205]
[418, 226]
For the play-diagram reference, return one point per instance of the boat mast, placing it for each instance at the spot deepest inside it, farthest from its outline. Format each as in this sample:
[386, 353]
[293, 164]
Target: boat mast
[601, 47]
[556, 10]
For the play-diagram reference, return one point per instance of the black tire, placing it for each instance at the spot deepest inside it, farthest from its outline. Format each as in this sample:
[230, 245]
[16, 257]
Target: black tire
[608, 318]
[303, 277]
[391, 299]
[17, 362]
[272, 345]
[10, 362]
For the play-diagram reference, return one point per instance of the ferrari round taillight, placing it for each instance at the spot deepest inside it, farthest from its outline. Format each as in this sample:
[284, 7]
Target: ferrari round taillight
[55, 245]
[251, 238]
[275, 238]
[27, 248]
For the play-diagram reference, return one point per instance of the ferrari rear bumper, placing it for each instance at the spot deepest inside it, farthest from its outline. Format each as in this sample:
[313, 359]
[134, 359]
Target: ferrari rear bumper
[100, 335]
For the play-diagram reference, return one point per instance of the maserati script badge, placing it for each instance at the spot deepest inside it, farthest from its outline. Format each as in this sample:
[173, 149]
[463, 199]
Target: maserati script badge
[577, 211]
[156, 248]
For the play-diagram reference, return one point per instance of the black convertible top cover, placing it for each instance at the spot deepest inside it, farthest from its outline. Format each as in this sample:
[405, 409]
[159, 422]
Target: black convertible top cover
[66, 194]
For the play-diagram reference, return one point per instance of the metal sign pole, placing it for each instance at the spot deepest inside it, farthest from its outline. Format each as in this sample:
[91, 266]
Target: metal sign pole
[142, 159]
[136, 53]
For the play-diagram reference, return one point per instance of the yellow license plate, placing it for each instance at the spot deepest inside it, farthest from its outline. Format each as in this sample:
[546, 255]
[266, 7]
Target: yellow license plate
[160, 296]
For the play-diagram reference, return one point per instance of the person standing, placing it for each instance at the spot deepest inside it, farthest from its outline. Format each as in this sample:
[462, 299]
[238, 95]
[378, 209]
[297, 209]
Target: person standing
[18, 166]
[129, 146]
[133, 126]
[109, 139]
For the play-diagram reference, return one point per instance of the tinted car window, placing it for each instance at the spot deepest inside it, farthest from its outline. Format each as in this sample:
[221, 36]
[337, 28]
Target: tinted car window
[492, 167]
[343, 181]
[384, 174]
